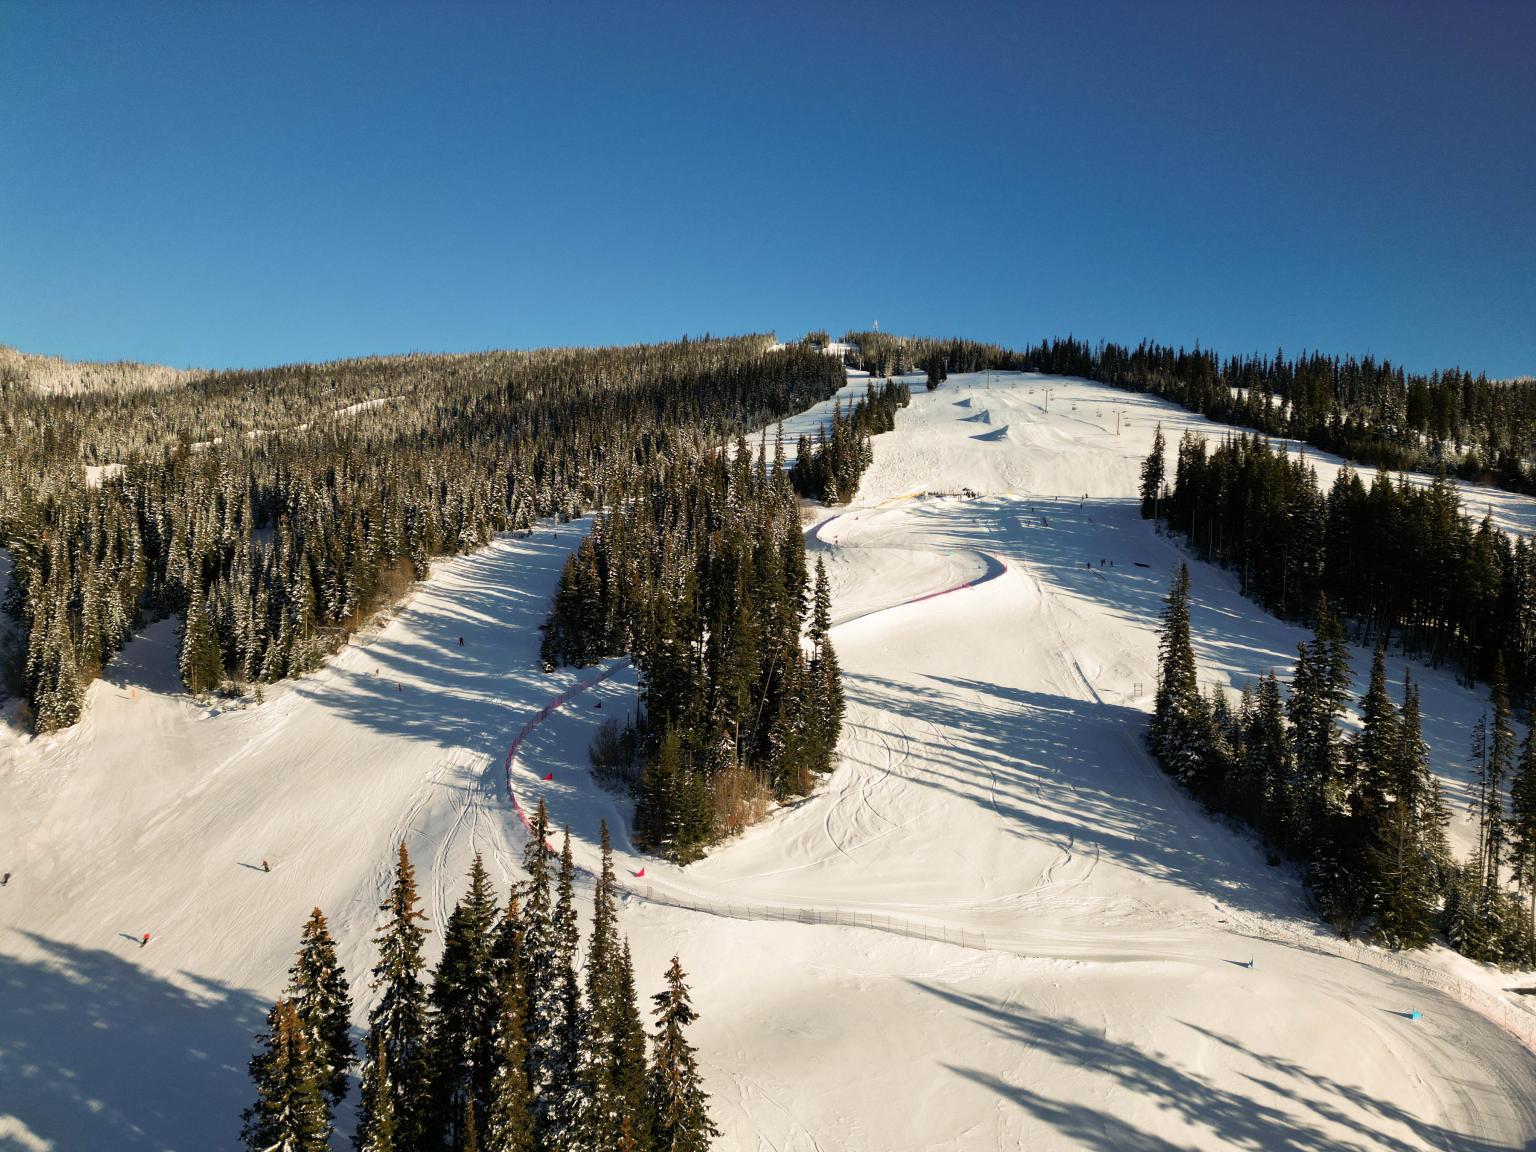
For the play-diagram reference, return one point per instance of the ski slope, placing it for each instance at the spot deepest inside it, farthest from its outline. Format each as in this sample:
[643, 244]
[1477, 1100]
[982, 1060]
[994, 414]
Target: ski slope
[997, 924]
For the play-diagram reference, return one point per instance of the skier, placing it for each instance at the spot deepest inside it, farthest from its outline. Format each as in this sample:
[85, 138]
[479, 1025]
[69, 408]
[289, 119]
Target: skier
[461, 641]
[144, 940]
[265, 867]
[5, 880]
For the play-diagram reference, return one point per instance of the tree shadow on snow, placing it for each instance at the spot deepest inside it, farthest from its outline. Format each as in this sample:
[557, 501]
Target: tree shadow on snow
[97, 1052]
[1071, 771]
[1313, 1113]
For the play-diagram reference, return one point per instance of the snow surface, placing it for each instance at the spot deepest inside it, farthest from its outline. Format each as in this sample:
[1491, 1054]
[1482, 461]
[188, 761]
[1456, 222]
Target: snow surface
[997, 924]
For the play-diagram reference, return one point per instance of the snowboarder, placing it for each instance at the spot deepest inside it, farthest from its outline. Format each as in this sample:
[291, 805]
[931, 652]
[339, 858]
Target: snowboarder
[265, 867]
[144, 940]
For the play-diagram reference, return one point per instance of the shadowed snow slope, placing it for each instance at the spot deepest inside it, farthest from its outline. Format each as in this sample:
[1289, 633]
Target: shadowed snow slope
[992, 790]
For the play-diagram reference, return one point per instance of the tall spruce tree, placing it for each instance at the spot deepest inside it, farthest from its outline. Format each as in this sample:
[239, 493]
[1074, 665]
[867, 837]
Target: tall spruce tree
[545, 990]
[290, 1114]
[566, 1105]
[1522, 824]
[376, 1110]
[1153, 469]
[317, 987]
[509, 1122]
[1409, 850]
[465, 1007]
[630, 1067]
[675, 1098]
[600, 1051]
[1179, 712]
[398, 1022]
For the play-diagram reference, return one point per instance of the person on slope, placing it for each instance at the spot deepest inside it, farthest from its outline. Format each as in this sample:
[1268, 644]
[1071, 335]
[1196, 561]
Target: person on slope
[144, 940]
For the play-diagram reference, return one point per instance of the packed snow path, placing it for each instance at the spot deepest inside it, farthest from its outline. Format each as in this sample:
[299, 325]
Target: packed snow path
[992, 784]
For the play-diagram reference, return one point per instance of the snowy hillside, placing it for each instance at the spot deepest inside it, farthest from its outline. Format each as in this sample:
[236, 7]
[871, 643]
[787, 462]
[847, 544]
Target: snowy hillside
[997, 925]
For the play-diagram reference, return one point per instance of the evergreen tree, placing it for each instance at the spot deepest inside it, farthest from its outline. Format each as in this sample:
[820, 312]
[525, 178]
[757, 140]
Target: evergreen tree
[629, 1063]
[1153, 469]
[1522, 822]
[566, 1107]
[1268, 795]
[289, 1114]
[202, 666]
[398, 1022]
[509, 1122]
[376, 1111]
[466, 1004]
[1409, 850]
[600, 1051]
[545, 985]
[1179, 716]
[317, 987]
[675, 1098]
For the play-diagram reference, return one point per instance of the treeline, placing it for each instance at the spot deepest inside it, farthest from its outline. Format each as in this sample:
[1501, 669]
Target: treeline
[275, 510]
[1369, 410]
[1363, 814]
[829, 466]
[698, 571]
[516, 1044]
[1398, 557]
[885, 354]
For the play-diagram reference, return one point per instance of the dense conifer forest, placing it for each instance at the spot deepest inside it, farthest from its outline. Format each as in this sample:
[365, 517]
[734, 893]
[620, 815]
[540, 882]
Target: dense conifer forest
[1399, 559]
[518, 1041]
[829, 466]
[1362, 814]
[698, 571]
[275, 509]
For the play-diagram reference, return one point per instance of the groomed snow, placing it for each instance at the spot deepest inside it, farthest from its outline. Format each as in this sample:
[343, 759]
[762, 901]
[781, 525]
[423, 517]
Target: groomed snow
[992, 793]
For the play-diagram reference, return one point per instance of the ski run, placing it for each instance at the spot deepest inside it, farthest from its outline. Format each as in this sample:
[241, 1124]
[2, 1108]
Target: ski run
[997, 925]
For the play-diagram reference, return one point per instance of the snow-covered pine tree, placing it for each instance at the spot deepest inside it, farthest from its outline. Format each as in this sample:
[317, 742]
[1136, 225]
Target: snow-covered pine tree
[376, 1110]
[398, 1022]
[825, 677]
[1409, 850]
[317, 986]
[290, 1114]
[566, 1105]
[1270, 765]
[1153, 469]
[1494, 782]
[202, 665]
[1178, 714]
[599, 1051]
[1358, 828]
[1522, 824]
[675, 1097]
[509, 1121]
[629, 1063]
[465, 1006]
[540, 965]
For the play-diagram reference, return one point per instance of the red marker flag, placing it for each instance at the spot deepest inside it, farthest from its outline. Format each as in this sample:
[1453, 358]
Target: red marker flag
[639, 873]
[549, 775]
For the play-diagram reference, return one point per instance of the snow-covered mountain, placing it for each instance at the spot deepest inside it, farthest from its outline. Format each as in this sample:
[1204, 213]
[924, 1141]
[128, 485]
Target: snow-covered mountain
[997, 925]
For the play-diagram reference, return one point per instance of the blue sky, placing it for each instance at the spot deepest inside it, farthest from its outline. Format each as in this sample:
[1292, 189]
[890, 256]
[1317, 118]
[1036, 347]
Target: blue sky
[218, 184]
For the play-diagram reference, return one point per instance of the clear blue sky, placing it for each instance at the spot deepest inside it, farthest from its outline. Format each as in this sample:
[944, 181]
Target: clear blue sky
[225, 184]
